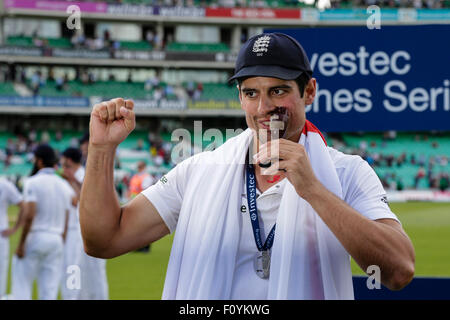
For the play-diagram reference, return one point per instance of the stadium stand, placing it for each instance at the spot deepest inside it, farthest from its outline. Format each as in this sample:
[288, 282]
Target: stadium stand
[48, 77]
[66, 43]
[193, 47]
[89, 87]
[290, 3]
[397, 160]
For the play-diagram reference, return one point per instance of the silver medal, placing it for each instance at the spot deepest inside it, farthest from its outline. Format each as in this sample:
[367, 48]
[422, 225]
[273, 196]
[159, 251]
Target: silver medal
[262, 264]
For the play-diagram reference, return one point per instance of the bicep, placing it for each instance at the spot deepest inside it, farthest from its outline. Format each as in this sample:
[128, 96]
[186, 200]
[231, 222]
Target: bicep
[140, 224]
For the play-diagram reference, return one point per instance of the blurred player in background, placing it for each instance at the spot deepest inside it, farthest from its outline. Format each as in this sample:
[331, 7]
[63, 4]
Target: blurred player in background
[138, 183]
[39, 254]
[93, 273]
[94, 279]
[9, 195]
[73, 172]
[84, 143]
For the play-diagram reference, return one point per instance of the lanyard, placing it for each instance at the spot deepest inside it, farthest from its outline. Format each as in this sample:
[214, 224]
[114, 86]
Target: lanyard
[251, 199]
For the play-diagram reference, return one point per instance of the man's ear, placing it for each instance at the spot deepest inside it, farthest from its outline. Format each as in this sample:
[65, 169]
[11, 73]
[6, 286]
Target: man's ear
[310, 91]
[39, 163]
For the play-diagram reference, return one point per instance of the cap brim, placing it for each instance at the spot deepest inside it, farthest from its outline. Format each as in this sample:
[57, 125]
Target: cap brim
[267, 71]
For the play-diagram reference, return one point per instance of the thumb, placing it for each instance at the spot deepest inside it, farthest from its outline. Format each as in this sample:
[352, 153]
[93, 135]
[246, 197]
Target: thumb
[129, 118]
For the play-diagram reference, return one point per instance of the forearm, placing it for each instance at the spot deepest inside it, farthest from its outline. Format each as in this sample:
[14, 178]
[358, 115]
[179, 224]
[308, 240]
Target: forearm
[99, 206]
[25, 230]
[76, 187]
[20, 218]
[367, 241]
[66, 226]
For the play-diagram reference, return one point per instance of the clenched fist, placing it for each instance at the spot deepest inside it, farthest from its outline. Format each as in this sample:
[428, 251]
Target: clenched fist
[111, 122]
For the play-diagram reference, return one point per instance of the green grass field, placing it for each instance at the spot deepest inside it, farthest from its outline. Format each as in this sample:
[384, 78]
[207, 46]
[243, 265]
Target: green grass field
[141, 275]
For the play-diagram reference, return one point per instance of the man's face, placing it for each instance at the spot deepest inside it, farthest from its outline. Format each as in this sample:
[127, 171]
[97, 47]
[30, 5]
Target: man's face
[84, 149]
[68, 167]
[260, 96]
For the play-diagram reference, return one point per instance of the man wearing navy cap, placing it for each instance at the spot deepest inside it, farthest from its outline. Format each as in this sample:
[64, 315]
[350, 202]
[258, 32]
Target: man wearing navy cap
[273, 213]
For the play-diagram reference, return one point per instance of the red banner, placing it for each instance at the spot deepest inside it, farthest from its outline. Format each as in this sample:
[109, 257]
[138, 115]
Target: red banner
[253, 13]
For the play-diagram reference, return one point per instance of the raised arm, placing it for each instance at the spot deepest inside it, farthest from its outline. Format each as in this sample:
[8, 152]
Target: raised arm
[108, 229]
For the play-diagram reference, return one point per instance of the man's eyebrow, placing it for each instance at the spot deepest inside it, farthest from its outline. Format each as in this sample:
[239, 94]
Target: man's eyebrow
[281, 86]
[247, 89]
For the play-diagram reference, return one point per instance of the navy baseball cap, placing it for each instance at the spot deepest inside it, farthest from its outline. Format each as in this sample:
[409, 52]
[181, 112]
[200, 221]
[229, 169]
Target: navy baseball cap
[274, 55]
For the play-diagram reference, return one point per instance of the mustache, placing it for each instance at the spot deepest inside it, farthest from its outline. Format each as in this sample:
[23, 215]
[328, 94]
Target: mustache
[280, 111]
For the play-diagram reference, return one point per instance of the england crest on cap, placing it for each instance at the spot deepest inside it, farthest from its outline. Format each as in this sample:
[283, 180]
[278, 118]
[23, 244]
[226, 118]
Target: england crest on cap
[261, 44]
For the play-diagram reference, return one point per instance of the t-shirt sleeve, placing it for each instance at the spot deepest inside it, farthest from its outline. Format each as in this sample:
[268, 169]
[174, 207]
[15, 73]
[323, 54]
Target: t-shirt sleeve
[14, 195]
[364, 192]
[167, 195]
[29, 192]
[79, 175]
[147, 182]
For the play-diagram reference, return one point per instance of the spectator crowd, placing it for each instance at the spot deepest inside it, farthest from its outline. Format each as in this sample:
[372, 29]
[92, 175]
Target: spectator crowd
[433, 168]
[153, 88]
[23, 145]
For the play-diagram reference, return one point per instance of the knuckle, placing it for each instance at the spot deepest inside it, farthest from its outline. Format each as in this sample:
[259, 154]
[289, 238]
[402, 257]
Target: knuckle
[119, 101]
[98, 106]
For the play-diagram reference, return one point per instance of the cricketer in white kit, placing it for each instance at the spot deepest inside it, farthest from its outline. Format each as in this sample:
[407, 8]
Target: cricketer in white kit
[84, 276]
[73, 253]
[94, 277]
[9, 195]
[39, 254]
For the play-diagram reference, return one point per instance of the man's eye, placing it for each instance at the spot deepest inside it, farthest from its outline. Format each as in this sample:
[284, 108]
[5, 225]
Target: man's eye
[250, 94]
[278, 91]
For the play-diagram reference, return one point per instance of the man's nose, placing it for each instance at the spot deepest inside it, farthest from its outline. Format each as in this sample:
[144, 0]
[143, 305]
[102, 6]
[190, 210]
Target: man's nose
[265, 104]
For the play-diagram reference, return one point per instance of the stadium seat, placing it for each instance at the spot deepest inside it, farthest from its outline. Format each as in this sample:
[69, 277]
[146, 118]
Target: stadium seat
[63, 43]
[19, 41]
[197, 47]
[218, 91]
[7, 89]
[135, 45]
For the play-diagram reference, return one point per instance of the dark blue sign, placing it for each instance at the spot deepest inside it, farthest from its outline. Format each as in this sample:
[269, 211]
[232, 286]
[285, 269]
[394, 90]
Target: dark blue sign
[396, 77]
[41, 101]
[420, 288]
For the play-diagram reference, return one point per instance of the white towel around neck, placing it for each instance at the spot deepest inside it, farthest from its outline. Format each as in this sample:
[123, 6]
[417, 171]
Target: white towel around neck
[205, 246]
